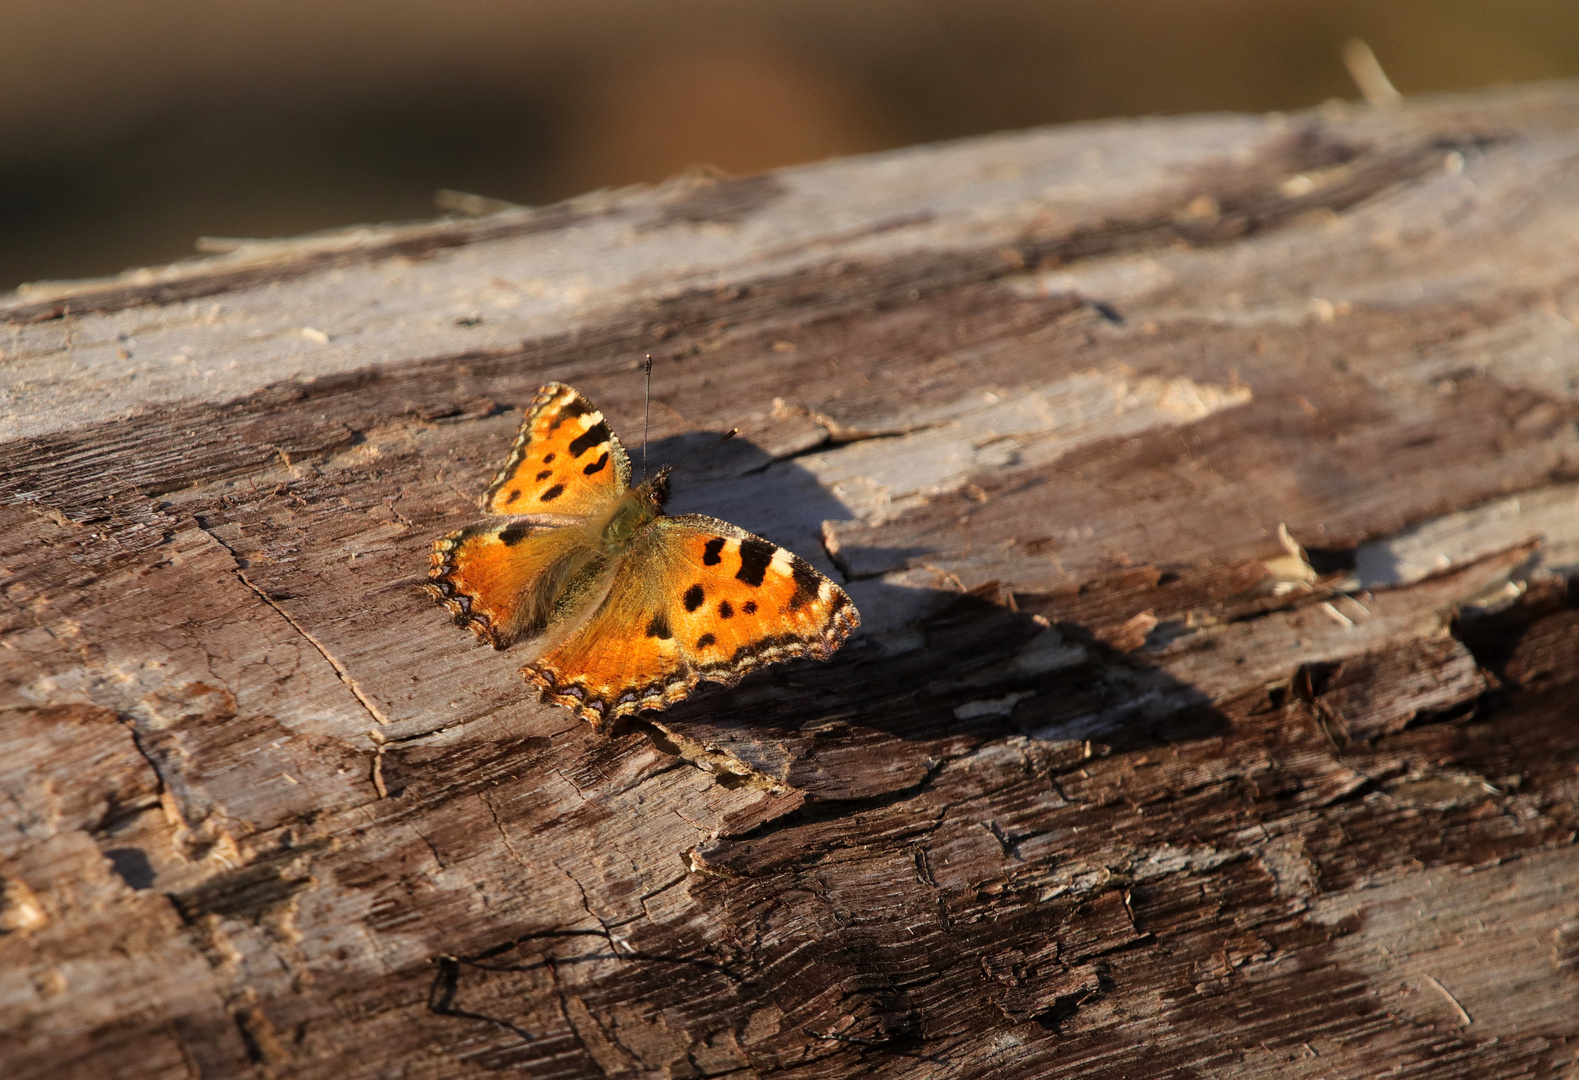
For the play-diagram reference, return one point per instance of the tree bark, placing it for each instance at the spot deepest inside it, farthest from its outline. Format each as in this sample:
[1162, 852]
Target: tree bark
[1209, 488]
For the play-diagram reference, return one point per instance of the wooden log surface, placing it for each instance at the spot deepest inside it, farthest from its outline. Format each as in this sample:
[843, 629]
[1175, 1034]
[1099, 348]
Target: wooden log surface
[1209, 488]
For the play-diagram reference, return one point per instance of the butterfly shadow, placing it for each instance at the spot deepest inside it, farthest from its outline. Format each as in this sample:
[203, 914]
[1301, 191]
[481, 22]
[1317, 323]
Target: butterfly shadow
[933, 669]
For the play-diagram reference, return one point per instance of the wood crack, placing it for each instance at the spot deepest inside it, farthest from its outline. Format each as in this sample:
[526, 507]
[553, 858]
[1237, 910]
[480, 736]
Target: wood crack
[816, 809]
[340, 669]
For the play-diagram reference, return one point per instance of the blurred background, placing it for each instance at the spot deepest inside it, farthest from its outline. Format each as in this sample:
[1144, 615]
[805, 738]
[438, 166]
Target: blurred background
[127, 130]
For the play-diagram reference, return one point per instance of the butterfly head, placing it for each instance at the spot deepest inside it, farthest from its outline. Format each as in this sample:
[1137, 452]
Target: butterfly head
[654, 491]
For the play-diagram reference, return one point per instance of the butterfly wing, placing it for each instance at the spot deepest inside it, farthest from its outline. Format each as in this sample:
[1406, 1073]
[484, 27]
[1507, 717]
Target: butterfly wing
[696, 598]
[506, 579]
[565, 460]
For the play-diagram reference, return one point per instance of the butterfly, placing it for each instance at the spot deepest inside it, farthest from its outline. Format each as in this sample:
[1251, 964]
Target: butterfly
[620, 606]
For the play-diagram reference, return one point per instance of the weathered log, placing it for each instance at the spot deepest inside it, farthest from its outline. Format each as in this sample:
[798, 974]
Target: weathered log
[1210, 491]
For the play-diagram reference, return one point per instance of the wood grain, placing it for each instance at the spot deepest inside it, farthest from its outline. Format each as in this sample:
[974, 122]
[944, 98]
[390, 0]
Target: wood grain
[1206, 486]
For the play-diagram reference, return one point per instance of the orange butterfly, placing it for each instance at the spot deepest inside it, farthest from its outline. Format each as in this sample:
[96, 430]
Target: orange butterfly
[624, 608]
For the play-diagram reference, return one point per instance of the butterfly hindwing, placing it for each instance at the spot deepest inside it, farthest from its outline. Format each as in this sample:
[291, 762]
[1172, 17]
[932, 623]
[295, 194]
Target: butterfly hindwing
[566, 460]
[695, 599]
[501, 579]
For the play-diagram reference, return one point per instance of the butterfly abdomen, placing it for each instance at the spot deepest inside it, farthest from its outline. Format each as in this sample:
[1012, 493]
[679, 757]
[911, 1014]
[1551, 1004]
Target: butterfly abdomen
[579, 583]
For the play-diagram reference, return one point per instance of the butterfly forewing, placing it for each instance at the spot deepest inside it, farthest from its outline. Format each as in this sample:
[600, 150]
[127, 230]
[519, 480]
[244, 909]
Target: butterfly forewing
[565, 460]
[696, 599]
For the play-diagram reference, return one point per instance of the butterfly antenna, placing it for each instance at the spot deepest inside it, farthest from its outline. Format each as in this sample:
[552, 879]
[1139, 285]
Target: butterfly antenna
[646, 418]
[725, 437]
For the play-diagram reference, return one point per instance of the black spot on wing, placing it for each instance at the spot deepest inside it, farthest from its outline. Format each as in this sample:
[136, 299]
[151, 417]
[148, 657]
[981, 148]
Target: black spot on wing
[659, 627]
[726, 610]
[597, 466]
[548, 458]
[514, 533]
[694, 597]
[595, 435]
[568, 411]
[552, 493]
[705, 640]
[515, 493]
[807, 582]
[749, 607]
[710, 553]
[754, 558]
[545, 474]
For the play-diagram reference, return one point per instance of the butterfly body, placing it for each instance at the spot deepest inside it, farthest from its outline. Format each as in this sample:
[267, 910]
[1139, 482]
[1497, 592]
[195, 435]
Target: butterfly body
[619, 606]
[634, 511]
